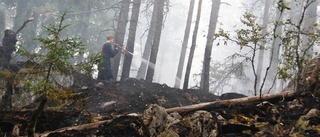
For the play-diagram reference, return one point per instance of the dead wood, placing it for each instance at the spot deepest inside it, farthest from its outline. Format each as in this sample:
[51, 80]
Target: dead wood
[78, 128]
[239, 101]
[24, 24]
[8, 42]
[8, 47]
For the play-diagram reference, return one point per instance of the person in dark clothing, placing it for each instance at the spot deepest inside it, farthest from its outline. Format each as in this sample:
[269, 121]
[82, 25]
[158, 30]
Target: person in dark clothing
[109, 50]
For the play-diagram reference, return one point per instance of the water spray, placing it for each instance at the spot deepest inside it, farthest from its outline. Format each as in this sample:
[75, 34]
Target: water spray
[143, 60]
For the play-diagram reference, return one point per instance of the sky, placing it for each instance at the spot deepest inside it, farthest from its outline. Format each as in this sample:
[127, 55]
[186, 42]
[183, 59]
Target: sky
[172, 36]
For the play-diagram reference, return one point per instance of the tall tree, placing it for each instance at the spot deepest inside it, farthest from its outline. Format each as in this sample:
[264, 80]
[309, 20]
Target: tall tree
[120, 33]
[308, 26]
[275, 50]
[208, 50]
[184, 46]
[296, 49]
[147, 48]
[249, 38]
[156, 41]
[262, 49]
[193, 46]
[131, 39]
[58, 52]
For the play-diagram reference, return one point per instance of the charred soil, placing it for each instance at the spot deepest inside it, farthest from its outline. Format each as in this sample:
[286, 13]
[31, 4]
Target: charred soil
[138, 108]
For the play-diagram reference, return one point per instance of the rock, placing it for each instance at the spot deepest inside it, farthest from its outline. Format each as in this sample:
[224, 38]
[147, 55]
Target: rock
[310, 77]
[100, 85]
[156, 118]
[200, 123]
[310, 122]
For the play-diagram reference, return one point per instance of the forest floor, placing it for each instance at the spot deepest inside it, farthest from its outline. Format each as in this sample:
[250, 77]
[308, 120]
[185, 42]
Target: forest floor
[138, 108]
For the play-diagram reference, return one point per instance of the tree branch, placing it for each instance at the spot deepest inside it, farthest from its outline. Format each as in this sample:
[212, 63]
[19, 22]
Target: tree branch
[24, 24]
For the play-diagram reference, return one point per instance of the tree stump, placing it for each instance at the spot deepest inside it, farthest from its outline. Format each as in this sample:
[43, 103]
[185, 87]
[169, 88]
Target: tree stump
[8, 42]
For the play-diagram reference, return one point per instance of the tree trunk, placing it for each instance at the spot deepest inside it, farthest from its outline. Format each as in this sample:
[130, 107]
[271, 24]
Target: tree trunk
[147, 48]
[120, 33]
[274, 55]
[6, 101]
[77, 127]
[261, 51]
[184, 46]
[193, 46]
[208, 50]
[156, 41]
[301, 54]
[34, 118]
[8, 42]
[83, 28]
[131, 39]
[226, 103]
[308, 26]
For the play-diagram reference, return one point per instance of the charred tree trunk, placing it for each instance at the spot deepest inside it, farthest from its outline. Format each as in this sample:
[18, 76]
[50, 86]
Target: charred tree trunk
[184, 46]
[156, 42]
[8, 42]
[193, 46]
[131, 39]
[147, 48]
[120, 33]
[6, 101]
[208, 50]
[34, 118]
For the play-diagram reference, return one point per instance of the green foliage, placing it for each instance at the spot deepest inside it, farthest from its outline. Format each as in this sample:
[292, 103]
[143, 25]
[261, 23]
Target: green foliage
[295, 40]
[251, 36]
[282, 5]
[55, 58]
[250, 40]
[91, 21]
[296, 50]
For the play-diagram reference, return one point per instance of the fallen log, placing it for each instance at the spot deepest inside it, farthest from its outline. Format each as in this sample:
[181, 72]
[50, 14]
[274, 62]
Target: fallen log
[239, 101]
[79, 127]
[118, 126]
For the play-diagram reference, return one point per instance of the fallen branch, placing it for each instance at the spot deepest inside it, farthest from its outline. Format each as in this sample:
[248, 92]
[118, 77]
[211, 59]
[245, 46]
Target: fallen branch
[79, 127]
[226, 103]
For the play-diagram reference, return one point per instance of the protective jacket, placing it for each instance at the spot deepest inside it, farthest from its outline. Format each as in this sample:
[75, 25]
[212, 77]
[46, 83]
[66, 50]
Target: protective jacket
[108, 51]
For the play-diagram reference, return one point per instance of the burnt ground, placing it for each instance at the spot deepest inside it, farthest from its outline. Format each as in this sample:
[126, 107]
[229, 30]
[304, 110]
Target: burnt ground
[104, 108]
[134, 96]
